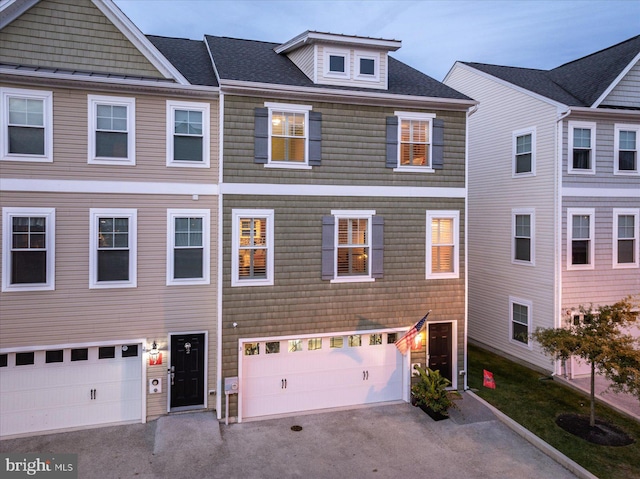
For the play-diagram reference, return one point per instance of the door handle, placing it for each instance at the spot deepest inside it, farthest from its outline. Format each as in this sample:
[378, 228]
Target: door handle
[283, 384]
[367, 375]
[172, 373]
[93, 394]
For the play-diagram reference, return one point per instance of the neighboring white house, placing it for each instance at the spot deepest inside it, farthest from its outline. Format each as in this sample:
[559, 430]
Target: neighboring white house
[554, 194]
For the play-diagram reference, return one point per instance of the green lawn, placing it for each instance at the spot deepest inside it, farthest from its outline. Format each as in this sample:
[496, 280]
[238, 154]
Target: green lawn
[534, 402]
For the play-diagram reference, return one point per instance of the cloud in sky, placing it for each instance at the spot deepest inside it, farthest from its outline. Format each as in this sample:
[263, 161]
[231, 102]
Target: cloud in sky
[434, 33]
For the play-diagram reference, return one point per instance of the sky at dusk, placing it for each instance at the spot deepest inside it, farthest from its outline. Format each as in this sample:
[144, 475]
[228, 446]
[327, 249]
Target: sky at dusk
[434, 33]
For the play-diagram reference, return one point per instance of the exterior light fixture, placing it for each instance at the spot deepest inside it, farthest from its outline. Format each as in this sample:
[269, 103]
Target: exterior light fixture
[155, 356]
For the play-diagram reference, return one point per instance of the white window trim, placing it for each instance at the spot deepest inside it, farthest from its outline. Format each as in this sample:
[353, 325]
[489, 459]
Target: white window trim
[571, 212]
[636, 224]
[205, 215]
[579, 171]
[47, 98]
[130, 103]
[616, 149]
[412, 115]
[289, 108]
[353, 214]
[529, 304]
[375, 56]
[449, 214]
[235, 247]
[50, 215]
[347, 63]
[531, 212]
[132, 215]
[172, 106]
[526, 131]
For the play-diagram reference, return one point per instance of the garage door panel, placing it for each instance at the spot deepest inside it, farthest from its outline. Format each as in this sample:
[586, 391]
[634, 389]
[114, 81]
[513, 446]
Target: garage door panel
[48, 396]
[321, 378]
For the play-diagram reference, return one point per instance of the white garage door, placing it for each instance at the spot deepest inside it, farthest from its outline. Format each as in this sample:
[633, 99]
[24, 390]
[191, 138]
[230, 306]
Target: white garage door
[289, 375]
[72, 387]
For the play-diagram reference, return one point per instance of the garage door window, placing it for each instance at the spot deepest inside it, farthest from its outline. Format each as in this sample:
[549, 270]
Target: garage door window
[54, 356]
[272, 347]
[4, 360]
[130, 350]
[391, 338]
[251, 349]
[295, 345]
[79, 354]
[336, 342]
[314, 344]
[375, 339]
[355, 340]
[24, 359]
[107, 352]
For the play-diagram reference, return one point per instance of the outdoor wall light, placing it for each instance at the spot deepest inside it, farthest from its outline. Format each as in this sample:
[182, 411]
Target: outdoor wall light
[235, 325]
[153, 352]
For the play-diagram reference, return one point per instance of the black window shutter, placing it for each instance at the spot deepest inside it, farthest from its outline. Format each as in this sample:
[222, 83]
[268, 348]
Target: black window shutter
[377, 246]
[261, 135]
[315, 138]
[437, 149]
[328, 247]
[392, 142]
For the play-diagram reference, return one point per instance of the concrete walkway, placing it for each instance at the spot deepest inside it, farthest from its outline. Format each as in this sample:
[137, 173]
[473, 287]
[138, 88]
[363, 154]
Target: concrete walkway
[387, 441]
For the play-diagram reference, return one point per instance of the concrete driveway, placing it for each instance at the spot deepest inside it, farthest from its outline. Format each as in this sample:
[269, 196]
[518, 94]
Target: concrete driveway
[387, 441]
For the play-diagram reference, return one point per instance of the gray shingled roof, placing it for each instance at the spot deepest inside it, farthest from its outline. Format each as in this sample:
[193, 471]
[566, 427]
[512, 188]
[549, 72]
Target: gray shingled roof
[255, 61]
[577, 83]
[190, 57]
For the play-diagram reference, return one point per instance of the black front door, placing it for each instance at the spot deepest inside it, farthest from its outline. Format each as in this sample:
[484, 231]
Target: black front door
[187, 370]
[440, 347]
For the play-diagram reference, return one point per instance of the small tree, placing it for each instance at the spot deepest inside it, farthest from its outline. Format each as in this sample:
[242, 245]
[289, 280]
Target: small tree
[599, 341]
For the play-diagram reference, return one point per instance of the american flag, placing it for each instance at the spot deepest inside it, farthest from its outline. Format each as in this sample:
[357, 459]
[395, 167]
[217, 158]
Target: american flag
[404, 343]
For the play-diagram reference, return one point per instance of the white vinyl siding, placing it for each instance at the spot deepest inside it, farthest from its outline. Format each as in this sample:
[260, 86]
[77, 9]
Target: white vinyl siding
[113, 248]
[443, 244]
[111, 133]
[188, 134]
[252, 248]
[188, 246]
[26, 133]
[28, 249]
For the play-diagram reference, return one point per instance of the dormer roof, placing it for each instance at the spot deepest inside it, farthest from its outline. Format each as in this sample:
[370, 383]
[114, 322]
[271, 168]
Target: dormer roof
[311, 37]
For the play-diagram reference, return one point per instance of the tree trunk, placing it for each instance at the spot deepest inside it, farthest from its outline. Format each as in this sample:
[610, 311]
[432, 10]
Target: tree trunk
[592, 416]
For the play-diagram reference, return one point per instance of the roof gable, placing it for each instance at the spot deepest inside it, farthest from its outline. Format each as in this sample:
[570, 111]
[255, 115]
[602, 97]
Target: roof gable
[79, 35]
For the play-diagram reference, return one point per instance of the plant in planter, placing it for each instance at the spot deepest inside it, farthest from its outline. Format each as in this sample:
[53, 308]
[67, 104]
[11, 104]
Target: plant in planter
[431, 395]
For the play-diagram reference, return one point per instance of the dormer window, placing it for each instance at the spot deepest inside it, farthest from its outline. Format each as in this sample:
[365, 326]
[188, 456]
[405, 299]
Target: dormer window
[336, 63]
[368, 66]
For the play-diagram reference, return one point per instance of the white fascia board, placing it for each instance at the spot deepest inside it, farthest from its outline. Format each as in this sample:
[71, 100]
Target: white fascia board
[265, 89]
[591, 192]
[108, 187]
[12, 9]
[272, 189]
[351, 40]
[558, 105]
[609, 113]
[135, 36]
[615, 82]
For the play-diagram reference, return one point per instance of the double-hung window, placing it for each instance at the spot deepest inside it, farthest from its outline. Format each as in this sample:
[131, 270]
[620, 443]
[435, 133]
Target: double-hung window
[442, 244]
[524, 142]
[352, 246]
[188, 246]
[113, 248]
[27, 125]
[582, 141]
[625, 238]
[28, 249]
[187, 134]
[252, 248]
[288, 137]
[523, 236]
[580, 241]
[520, 320]
[111, 130]
[626, 145]
[415, 140]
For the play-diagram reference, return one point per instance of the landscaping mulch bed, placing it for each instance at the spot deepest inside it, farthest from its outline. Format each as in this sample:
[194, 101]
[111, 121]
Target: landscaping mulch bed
[603, 433]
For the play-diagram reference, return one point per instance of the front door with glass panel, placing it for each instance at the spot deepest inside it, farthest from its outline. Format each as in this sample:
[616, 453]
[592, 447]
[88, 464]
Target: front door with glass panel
[186, 372]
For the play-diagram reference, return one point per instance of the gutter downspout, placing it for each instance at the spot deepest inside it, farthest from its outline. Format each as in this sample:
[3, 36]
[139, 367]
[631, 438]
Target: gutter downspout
[558, 199]
[470, 112]
[220, 388]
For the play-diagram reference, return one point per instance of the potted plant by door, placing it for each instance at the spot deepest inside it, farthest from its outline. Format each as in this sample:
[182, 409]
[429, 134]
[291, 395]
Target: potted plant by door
[431, 395]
